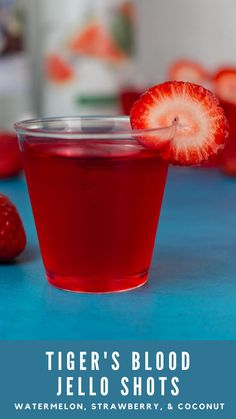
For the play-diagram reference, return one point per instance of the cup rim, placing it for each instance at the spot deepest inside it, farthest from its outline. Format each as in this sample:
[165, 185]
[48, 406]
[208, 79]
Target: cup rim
[43, 127]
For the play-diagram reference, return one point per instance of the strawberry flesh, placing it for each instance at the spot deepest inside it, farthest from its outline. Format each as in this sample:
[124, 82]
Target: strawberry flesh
[12, 233]
[199, 126]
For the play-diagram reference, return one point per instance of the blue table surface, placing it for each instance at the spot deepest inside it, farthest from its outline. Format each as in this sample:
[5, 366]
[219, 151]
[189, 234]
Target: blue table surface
[191, 293]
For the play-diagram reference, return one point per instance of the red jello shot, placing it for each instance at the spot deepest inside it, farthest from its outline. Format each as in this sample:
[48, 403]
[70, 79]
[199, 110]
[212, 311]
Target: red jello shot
[96, 194]
[96, 184]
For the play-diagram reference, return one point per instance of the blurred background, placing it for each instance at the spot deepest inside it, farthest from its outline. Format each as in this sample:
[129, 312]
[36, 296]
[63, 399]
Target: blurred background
[97, 56]
[73, 56]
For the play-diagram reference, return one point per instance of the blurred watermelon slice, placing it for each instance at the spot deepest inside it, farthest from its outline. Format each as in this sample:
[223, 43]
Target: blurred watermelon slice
[95, 41]
[58, 70]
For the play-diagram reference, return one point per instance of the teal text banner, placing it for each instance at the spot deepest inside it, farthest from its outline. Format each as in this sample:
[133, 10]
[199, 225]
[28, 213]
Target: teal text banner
[135, 379]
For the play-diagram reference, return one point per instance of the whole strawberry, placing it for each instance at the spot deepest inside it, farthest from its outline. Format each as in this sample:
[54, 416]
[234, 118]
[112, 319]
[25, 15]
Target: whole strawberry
[12, 233]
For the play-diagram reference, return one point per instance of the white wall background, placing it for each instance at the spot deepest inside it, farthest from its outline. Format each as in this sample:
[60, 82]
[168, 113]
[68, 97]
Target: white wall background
[200, 29]
[204, 30]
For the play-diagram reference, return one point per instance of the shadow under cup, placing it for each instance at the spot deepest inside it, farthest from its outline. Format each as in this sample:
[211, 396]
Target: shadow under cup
[96, 196]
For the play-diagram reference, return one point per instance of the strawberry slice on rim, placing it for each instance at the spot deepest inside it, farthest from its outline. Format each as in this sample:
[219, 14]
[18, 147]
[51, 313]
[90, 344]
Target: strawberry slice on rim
[199, 126]
[225, 84]
[187, 70]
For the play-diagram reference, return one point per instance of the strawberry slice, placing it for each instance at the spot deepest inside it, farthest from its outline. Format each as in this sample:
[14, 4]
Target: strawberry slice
[199, 125]
[225, 84]
[187, 70]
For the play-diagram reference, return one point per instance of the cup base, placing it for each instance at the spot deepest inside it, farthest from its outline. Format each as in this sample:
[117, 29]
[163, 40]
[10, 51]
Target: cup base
[97, 285]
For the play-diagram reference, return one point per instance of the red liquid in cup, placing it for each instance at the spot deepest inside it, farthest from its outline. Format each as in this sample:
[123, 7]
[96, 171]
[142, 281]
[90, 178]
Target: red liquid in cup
[96, 206]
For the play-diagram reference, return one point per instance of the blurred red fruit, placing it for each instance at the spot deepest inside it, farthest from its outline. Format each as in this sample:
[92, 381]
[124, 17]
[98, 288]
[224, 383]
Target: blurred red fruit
[188, 70]
[225, 84]
[10, 155]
